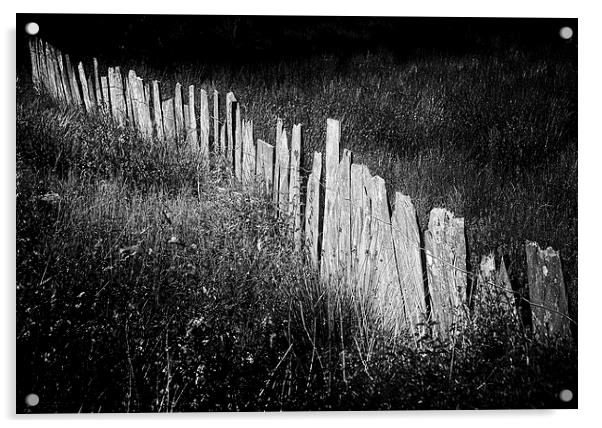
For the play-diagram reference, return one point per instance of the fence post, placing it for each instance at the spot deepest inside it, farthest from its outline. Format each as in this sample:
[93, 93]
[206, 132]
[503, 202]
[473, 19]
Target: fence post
[230, 99]
[312, 209]
[406, 240]
[294, 198]
[276, 180]
[343, 216]
[64, 78]
[546, 288]
[238, 142]
[204, 143]
[216, 130]
[383, 282]
[265, 164]
[445, 247]
[179, 113]
[169, 120]
[91, 91]
[106, 102]
[157, 111]
[130, 105]
[191, 131]
[329, 229]
[99, 100]
[118, 107]
[143, 109]
[51, 72]
[33, 54]
[248, 153]
[72, 81]
[222, 139]
[84, 84]
[283, 166]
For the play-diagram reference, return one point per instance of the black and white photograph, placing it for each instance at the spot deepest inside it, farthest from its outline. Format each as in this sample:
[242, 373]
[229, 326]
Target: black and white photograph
[298, 213]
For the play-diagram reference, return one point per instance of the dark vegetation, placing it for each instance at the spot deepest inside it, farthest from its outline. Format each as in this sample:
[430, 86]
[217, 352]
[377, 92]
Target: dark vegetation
[147, 284]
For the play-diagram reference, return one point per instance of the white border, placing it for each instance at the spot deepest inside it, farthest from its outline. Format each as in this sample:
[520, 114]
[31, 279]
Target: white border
[590, 73]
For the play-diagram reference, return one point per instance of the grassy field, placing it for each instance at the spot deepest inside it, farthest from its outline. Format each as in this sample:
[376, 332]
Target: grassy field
[146, 284]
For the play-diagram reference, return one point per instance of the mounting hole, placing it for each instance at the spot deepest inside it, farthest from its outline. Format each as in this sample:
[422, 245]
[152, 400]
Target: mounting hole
[32, 28]
[566, 33]
[32, 400]
[566, 395]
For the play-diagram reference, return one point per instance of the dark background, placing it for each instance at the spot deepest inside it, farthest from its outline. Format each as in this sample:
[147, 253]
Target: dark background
[168, 38]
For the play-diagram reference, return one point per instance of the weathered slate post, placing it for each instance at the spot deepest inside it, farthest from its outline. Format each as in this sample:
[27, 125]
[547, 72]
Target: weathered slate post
[72, 80]
[343, 214]
[312, 209]
[157, 112]
[191, 131]
[35, 72]
[230, 99]
[406, 240]
[99, 100]
[85, 90]
[118, 108]
[169, 120]
[278, 145]
[237, 142]
[64, 78]
[91, 90]
[179, 114]
[204, 141]
[106, 102]
[265, 164]
[546, 288]
[140, 107]
[216, 130]
[383, 285]
[294, 196]
[360, 209]
[222, 139]
[330, 235]
[283, 166]
[445, 246]
[52, 83]
[248, 152]
[129, 104]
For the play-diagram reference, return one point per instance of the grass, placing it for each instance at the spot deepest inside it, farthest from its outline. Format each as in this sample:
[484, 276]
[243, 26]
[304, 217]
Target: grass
[147, 284]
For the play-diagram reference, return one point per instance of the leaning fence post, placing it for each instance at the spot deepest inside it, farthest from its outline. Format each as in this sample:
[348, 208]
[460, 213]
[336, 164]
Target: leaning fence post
[179, 113]
[216, 130]
[276, 180]
[117, 97]
[343, 216]
[191, 131]
[238, 142]
[406, 239]
[294, 198]
[547, 293]
[157, 114]
[445, 246]
[283, 166]
[169, 120]
[312, 209]
[230, 99]
[84, 84]
[329, 229]
[33, 54]
[204, 142]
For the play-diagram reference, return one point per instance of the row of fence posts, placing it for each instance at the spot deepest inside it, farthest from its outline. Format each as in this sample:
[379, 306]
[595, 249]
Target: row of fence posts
[374, 254]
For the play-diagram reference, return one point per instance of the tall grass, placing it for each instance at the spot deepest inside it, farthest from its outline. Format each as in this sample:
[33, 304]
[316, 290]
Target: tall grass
[147, 284]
